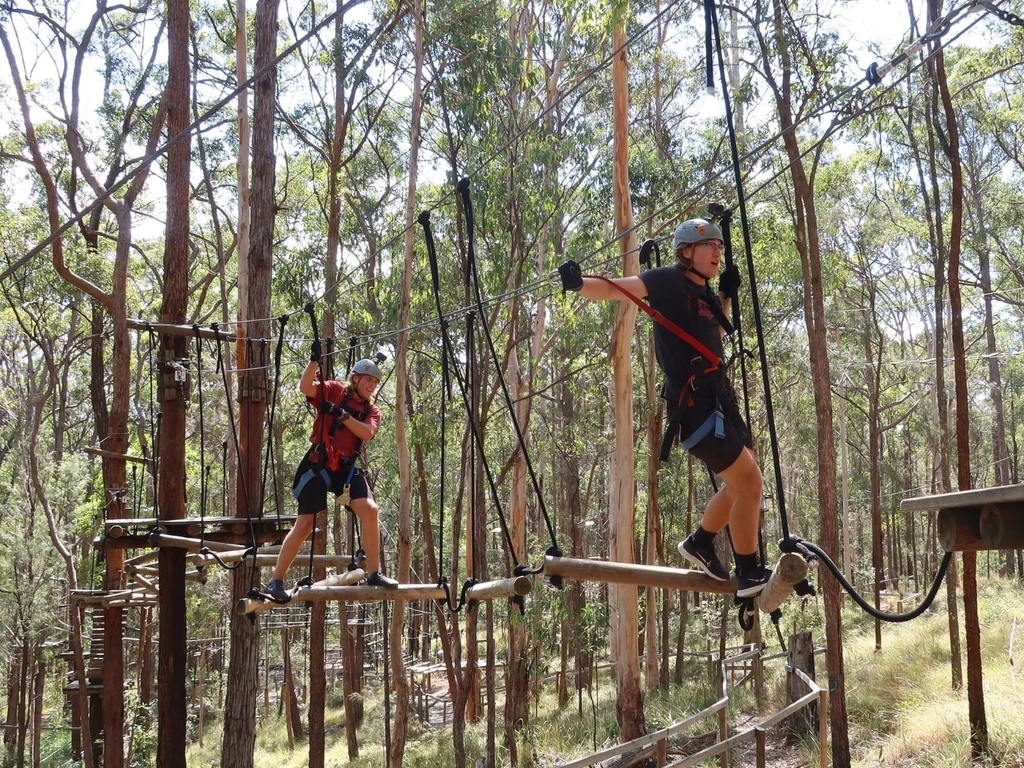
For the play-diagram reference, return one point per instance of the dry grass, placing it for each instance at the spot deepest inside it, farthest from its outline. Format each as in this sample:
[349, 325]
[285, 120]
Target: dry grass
[902, 706]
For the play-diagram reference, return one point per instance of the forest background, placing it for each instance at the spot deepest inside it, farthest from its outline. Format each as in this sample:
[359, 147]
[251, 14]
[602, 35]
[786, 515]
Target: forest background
[885, 231]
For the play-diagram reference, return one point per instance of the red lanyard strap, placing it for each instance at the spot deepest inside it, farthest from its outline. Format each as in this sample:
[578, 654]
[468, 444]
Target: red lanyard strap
[659, 318]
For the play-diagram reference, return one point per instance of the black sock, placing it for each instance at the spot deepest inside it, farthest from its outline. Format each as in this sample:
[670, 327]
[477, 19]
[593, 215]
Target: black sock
[703, 538]
[745, 563]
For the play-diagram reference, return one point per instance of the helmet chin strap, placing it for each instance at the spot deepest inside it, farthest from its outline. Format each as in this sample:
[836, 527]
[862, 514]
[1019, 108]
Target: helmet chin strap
[699, 274]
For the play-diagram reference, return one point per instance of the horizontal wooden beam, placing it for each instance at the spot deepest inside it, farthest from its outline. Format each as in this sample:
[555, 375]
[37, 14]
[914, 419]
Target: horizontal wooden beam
[636, 573]
[981, 528]
[172, 329]
[158, 539]
[973, 498]
[113, 455]
[194, 526]
[270, 558]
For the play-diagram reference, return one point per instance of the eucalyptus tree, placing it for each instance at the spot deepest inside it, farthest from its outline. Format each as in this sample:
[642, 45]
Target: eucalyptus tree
[798, 62]
[45, 516]
[116, 54]
[240, 705]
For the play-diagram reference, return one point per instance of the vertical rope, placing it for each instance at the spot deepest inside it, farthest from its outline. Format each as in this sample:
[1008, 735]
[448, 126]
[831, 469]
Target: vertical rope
[202, 437]
[748, 248]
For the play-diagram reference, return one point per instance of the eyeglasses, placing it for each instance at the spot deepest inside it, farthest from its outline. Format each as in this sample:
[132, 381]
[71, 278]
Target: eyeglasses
[715, 245]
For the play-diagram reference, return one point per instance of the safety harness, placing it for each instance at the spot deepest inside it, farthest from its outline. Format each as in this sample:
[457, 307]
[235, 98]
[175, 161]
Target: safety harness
[325, 428]
[716, 421]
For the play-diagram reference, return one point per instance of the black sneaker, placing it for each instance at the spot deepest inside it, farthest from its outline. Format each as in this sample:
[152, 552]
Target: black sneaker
[378, 579]
[754, 582]
[275, 589]
[704, 558]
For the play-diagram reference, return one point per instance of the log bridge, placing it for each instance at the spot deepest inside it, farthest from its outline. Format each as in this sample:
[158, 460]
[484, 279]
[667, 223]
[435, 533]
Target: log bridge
[976, 520]
[790, 571]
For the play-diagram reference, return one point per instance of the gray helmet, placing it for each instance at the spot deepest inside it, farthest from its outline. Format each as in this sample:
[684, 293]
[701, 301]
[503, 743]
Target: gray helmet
[367, 368]
[695, 230]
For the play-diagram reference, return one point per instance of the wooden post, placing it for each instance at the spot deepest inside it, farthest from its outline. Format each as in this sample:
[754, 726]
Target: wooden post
[801, 656]
[823, 728]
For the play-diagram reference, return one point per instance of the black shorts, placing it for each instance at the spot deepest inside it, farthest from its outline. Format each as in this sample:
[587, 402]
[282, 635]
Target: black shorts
[717, 450]
[313, 481]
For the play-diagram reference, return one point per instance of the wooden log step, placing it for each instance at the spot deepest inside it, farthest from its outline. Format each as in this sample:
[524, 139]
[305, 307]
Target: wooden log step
[790, 571]
[636, 574]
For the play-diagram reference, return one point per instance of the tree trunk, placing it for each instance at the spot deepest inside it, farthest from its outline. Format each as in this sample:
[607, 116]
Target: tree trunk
[807, 244]
[623, 601]
[348, 677]
[37, 711]
[317, 674]
[289, 698]
[951, 147]
[399, 678]
[240, 705]
[172, 711]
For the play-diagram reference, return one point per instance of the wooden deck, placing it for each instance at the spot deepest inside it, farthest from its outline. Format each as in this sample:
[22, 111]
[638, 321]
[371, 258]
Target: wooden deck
[976, 520]
[134, 532]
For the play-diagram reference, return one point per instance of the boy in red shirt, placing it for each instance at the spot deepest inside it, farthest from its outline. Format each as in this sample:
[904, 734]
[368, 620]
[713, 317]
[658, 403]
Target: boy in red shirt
[346, 418]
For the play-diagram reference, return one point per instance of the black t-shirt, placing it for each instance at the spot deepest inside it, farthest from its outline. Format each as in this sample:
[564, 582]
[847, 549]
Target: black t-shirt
[689, 306]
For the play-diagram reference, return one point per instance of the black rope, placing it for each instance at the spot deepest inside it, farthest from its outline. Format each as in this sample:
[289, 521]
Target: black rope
[308, 579]
[467, 204]
[268, 464]
[446, 343]
[446, 392]
[202, 438]
[810, 550]
[447, 354]
[748, 247]
[234, 435]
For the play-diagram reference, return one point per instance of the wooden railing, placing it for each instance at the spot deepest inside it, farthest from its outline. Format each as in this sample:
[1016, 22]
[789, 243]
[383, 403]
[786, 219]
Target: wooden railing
[656, 743]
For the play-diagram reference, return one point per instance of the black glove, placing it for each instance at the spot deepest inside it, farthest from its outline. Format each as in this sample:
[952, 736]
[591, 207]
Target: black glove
[729, 282]
[327, 407]
[572, 277]
[315, 351]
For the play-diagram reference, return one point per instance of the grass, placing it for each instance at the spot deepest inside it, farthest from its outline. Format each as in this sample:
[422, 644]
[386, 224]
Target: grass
[903, 712]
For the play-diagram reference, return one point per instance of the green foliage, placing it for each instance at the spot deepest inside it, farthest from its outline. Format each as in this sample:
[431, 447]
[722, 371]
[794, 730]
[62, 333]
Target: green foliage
[519, 100]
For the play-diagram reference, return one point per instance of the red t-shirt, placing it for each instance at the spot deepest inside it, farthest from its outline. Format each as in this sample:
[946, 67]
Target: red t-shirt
[344, 442]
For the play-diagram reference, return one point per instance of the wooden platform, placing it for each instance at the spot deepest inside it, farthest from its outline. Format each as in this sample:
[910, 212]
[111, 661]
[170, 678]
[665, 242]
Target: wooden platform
[192, 526]
[134, 532]
[976, 520]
